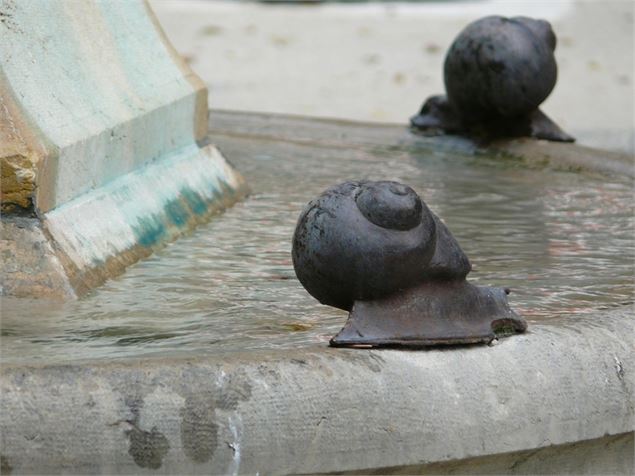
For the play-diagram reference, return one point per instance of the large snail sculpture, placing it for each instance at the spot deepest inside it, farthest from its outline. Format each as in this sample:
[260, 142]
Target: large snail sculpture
[376, 250]
[497, 72]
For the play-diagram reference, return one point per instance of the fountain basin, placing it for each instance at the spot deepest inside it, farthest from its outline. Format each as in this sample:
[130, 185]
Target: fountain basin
[558, 399]
[212, 359]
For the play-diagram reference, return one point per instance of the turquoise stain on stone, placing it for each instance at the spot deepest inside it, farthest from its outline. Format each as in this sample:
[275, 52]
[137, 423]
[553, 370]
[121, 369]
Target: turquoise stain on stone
[149, 231]
[195, 201]
[176, 213]
[154, 229]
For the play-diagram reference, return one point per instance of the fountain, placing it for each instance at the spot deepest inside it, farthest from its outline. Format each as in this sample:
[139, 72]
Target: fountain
[208, 356]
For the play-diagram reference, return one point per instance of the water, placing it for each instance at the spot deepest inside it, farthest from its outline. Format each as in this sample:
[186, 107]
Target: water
[563, 243]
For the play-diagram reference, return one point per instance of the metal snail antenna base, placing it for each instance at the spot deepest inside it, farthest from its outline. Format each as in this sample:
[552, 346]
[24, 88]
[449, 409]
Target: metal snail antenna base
[431, 314]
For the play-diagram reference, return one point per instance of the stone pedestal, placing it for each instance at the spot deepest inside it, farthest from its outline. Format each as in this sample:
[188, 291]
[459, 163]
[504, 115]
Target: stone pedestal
[102, 144]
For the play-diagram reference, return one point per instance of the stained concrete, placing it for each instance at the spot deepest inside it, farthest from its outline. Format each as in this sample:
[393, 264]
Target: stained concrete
[22, 151]
[79, 245]
[103, 140]
[319, 410]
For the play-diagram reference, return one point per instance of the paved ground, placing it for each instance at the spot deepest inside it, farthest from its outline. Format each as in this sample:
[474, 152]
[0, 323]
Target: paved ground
[377, 62]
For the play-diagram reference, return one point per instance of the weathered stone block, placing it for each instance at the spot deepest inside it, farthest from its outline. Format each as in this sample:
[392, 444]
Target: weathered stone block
[102, 127]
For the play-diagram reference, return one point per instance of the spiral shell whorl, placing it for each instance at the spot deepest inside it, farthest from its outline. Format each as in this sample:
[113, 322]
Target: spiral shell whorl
[390, 205]
[362, 240]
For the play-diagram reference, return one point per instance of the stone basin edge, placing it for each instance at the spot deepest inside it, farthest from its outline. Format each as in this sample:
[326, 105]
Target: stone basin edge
[341, 133]
[322, 410]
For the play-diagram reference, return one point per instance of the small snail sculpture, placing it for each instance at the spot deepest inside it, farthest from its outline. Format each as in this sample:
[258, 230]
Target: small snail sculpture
[497, 72]
[376, 250]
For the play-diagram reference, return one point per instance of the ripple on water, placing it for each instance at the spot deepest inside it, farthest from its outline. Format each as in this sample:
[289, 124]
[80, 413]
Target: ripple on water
[562, 242]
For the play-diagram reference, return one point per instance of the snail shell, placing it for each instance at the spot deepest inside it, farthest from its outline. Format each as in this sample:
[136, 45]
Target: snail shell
[365, 240]
[500, 67]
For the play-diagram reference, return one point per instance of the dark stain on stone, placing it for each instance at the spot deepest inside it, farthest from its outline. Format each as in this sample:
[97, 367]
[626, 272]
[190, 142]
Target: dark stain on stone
[5, 467]
[268, 372]
[90, 403]
[199, 431]
[14, 209]
[126, 341]
[199, 427]
[147, 448]
[236, 389]
[134, 403]
[6, 17]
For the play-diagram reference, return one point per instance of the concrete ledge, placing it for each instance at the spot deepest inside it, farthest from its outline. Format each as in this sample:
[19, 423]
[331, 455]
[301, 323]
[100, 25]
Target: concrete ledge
[100, 233]
[320, 410]
[607, 455]
[350, 134]
[80, 244]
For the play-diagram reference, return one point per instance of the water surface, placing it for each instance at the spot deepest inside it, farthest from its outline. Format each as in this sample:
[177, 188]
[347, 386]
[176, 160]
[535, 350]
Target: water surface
[563, 242]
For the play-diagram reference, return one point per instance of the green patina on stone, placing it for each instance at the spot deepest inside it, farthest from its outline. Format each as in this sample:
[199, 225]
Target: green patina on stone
[177, 214]
[195, 201]
[149, 231]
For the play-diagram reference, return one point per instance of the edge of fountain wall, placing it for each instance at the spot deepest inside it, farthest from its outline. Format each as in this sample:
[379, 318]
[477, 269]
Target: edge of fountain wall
[345, 133]
[558, 398]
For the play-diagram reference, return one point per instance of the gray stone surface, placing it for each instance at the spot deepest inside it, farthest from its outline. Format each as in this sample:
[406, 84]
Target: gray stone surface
[319, 410]
[30, 264]
[608, 455]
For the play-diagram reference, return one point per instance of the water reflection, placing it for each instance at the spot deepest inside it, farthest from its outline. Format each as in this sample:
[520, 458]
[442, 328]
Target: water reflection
[562, 242]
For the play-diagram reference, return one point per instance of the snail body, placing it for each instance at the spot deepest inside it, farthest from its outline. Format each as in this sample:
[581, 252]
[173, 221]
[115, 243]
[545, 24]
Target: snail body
[366, 246]
[497, 72]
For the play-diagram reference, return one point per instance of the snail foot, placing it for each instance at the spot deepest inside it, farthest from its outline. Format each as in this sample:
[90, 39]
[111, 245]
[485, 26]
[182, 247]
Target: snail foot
[438, 117]
[542, 127]
[431, 314]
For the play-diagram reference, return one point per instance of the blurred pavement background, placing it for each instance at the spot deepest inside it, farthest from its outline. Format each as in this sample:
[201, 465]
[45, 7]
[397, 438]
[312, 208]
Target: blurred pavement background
[379, 61]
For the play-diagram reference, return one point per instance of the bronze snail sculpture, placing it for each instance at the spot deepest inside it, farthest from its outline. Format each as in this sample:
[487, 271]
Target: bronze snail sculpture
[376, 250]
[497, 72]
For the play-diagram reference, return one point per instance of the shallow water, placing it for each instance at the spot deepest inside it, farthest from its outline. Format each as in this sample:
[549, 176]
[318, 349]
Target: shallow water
[563, 243]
